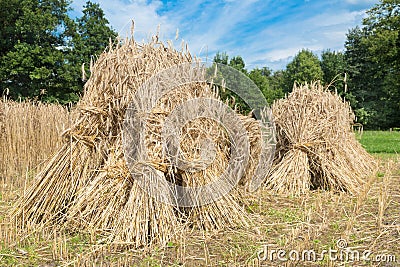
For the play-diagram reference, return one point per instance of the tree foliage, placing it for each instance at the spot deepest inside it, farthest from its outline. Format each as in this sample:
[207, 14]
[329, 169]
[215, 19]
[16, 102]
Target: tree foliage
[93, 32]
[237, 63]
[305, 67]
[372, 58]
[261, 77]
[266, 81]
[42, 48]
[221, 58]
[333, 66]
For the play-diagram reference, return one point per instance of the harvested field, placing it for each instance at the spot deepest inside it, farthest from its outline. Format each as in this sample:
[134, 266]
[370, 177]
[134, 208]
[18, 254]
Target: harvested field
[369, 221]
[84, 208]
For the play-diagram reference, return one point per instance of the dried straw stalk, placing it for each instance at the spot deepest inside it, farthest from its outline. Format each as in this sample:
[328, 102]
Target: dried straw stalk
[30, 134]
[2, 118]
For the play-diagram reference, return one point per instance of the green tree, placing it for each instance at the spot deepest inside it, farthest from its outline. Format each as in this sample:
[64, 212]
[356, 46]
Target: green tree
[383, 41]
[259, 77]
[360, 70]
[34, 48]
[263, 79]
[372, 59]
[305, 67]
[278, 82]
[332, 65]
[42, 49]
[230, 78]
[238, 63]
[221, 58]
[93, 33]
[8, 17]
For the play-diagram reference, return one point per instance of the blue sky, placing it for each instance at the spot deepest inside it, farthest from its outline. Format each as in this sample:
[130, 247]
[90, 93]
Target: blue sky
[264, 33]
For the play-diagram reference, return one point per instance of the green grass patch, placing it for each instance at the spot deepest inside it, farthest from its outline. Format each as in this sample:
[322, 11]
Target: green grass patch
[285, 215]
[380, 142]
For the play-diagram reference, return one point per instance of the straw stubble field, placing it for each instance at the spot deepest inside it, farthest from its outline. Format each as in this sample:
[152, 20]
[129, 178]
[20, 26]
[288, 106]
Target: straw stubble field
[84, 205]
[315, 220]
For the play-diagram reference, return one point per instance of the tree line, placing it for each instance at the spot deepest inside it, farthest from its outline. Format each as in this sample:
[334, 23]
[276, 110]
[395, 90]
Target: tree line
[42, 51]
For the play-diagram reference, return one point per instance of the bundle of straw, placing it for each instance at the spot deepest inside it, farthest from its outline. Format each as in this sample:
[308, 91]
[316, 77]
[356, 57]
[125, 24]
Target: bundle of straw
[316, 146]
[87, 185]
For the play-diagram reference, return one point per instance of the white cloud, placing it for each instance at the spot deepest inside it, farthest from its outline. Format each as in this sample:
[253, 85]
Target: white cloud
[278, 55]
[120, 14]
[335, 19]
[277, 44]
[356, 2]
[216, 27]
